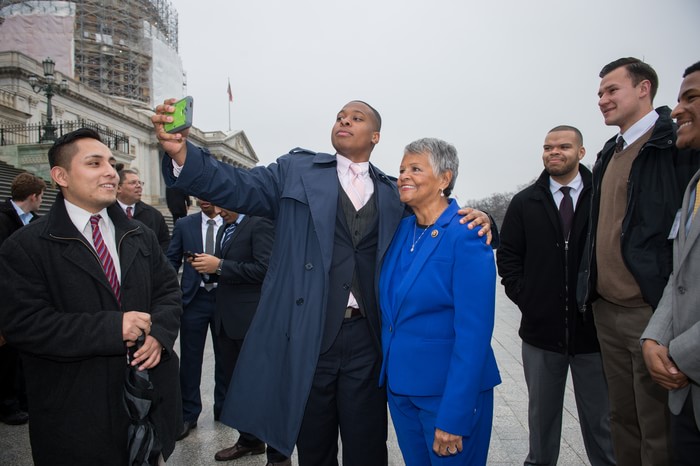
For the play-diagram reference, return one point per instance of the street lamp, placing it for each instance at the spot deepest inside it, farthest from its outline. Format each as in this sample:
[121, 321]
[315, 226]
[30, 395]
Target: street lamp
[50, 88]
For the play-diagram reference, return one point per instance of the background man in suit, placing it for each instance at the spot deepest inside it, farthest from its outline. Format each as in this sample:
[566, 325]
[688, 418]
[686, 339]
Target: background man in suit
[178, 203]
[671, 341]
[26, 194]
[337, 215]
[79, 286]
[638, 182]
[542, 241]
[244, 245]
[195, 234]
[129, 198]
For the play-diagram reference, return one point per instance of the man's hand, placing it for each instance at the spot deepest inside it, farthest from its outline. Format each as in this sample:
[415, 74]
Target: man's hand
[135, 323]
[662, 369]
[476, 218]
[148, 356]
[446, 444]
[205, 263]
[173, 144]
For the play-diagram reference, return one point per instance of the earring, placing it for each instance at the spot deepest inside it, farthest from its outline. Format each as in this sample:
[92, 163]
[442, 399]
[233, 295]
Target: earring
[442, 194]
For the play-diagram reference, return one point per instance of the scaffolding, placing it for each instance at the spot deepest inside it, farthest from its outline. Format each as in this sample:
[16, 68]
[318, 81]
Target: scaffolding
[113, 51]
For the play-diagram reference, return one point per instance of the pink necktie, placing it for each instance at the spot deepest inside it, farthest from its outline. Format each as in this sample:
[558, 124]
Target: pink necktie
[105, 257]
[129, 212]
[358, 186]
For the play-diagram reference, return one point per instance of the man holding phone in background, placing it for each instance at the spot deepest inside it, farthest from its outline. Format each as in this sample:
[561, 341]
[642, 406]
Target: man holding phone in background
[194, 235]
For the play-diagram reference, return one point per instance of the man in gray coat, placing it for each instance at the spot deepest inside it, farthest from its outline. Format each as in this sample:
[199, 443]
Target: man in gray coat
[671, 341]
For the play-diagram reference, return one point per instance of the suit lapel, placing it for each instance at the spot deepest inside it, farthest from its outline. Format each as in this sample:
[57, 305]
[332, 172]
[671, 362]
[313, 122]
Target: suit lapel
[431, 240]
[195, 233]
[390, 210]
[235, 234]
[686, 242]
[321, 186]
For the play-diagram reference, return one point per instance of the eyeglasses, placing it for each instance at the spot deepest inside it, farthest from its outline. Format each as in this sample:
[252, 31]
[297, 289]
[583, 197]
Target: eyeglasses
[135, 183]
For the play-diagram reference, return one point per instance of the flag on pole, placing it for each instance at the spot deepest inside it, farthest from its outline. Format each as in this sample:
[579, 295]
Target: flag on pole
[230, 94]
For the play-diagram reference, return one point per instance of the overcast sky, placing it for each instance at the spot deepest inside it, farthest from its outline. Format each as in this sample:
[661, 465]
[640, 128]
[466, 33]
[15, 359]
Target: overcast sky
[491, 77]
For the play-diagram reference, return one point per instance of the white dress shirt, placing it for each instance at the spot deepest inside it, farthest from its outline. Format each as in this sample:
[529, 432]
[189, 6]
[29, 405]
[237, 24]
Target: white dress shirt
[81, 219]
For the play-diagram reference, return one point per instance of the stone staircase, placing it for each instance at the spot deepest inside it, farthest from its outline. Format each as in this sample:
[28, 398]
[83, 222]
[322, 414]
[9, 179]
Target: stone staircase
[8, 173]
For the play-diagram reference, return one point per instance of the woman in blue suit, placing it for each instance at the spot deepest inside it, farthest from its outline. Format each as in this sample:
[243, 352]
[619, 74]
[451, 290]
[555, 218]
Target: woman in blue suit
[437, 296]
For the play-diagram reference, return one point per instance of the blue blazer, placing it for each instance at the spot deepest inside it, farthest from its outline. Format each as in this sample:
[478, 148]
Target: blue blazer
[187, 236]
[437, 317]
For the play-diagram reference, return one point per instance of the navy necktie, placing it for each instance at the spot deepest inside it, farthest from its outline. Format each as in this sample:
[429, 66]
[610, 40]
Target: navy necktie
[566, 211]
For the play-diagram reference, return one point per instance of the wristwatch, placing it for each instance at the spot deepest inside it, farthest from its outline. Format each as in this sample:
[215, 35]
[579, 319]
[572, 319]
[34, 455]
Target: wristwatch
[218, 269]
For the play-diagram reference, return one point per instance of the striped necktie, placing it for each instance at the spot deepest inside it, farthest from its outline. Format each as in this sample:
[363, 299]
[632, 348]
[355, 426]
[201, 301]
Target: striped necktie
[105, 257]
[228, 233]
[696, 205]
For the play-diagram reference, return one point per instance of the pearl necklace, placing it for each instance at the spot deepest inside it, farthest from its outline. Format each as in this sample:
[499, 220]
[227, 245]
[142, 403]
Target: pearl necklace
[415, 241]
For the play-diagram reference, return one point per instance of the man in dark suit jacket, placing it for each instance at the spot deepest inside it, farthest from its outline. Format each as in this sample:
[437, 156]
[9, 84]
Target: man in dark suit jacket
[244, 245]
[129, 198]
[81, 285]
[26, 196]
[190, 238]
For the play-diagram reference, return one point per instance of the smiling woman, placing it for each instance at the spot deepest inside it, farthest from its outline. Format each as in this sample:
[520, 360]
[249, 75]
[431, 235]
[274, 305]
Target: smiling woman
[432, 263]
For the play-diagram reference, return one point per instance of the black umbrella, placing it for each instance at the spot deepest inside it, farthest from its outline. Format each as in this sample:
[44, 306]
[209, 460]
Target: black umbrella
[143, 446]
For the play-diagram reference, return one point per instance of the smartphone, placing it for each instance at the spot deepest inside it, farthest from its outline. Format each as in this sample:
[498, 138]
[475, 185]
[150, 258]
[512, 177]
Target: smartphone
[182, 116]
[189, 255]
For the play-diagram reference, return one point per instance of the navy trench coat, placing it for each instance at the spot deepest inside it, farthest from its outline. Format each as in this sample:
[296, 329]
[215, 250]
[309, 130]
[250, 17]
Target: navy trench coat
[273, 376]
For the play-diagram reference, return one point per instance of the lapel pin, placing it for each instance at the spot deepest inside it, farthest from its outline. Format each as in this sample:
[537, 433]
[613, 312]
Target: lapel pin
[434, 233]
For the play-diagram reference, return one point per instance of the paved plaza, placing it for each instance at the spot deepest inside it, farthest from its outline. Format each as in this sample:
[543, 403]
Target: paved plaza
[508, 442]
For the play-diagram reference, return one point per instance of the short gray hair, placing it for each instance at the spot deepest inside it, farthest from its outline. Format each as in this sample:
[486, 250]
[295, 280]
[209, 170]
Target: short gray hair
[442, 155]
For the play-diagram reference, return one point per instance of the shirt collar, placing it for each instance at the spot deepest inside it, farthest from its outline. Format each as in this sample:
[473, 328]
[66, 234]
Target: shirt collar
[81, 217]
[219, 221]
[20, 212]
[344, 165]
[638, 129]
[576, 184]
[124, 206]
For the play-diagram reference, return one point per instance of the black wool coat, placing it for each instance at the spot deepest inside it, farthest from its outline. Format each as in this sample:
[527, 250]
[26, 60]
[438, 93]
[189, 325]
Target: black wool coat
[60, 312]
[539, 275]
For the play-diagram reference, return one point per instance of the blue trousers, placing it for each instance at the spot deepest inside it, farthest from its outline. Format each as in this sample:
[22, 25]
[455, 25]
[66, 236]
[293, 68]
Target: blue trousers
[414, 422]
